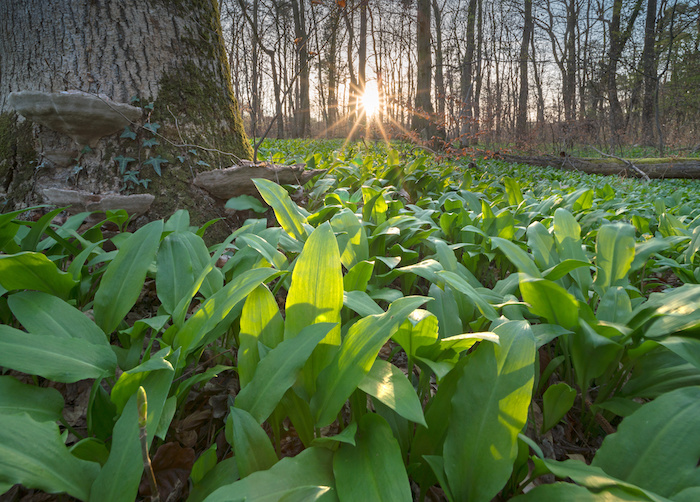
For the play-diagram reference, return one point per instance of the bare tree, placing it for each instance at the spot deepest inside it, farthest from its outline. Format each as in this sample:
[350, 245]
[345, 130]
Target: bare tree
[521, 124]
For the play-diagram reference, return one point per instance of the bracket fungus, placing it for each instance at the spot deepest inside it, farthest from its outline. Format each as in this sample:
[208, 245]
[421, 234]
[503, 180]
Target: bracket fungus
[237, 180]
[82, 116]
[80, 201]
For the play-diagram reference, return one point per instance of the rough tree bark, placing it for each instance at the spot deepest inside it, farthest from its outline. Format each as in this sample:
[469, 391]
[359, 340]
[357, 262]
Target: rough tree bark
[618, 40]
[465, 81]
[168, 53]
[422, 115]
[440, 94]
[302, 41]
[521, 123]
[649, 68]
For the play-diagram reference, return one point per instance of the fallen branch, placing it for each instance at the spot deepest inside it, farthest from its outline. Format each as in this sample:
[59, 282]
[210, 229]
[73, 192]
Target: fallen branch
[629, 163]
[669, 168]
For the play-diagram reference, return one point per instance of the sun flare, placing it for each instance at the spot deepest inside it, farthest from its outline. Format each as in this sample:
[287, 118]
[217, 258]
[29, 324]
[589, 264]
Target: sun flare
[370, 99]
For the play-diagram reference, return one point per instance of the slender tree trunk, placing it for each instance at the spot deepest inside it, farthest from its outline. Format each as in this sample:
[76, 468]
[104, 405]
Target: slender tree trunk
[352, 90]
[439, 70]
[478, 74]
[618, 39]
[466, 83]
[422, 116]
[649, 70]
[571, 61]
[538, 85]
[521, 124]
[302, 43]
[332, 71]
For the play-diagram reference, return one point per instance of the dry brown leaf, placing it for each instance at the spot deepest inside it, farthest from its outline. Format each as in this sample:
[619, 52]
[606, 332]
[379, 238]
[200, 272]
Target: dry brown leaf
[172, 465]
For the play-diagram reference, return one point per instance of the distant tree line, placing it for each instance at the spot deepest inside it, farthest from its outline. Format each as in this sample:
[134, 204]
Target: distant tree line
[603, 72]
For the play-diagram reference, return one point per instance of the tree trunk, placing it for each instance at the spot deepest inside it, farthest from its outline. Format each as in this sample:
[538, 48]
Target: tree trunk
[466, 83]
[649, 69]
[521, 124]
[422, 115]
[331, 60]
[618, 39]
[439, 71]
[168, 53]
[571, 61]
[302, 42]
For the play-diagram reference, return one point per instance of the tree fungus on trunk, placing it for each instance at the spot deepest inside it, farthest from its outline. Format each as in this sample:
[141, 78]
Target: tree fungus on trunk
[104, 98]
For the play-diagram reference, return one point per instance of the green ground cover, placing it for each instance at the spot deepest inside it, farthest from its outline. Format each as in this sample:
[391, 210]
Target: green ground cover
[412, 328]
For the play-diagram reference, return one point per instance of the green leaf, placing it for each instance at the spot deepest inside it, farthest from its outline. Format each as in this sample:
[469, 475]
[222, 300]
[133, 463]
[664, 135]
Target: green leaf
[58, 359]
[561, 269]
[558, 492]
[358, 276]
[615, 306]
[598, 480]
[515, 195]
[153, 127]
[388, 384]
[156, 162]
[517, 256]
[266, 250]
[315, 296]
[549, 300]
[278, 370]
[203, 464]
[181, 258]
[352, 240]
[45, 315]
[288, 214]
[244, 203]
[657, 447]
[361, 302]
[347, 436]
[541, 242]
[614, 255]
[29, 270]
[372, 469]
[567, 234]
[420, 329]
[122, 161]
[216, 308]
[223, 473]
[128, 133]
[445, 309]
[123, 280]
[251, 445]
[312, 467]
[184, 304]
[31, 241]
[489, 409]
[129, 381]
[463, 286]
[118, 481]
[356, 357]
[33, 454]
[558, 400]
[261, 322]
[591, 354]
[42, 404]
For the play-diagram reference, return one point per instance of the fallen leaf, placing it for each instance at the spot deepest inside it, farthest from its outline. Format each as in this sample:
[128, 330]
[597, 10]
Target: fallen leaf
[172, 465]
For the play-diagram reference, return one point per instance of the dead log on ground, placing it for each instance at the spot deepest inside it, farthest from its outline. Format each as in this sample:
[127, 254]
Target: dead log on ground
[669, 168]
